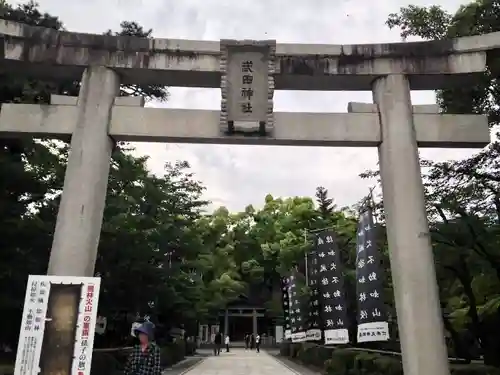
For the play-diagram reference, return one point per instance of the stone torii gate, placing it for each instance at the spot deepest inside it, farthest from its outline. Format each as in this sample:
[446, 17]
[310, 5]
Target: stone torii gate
[248, 72]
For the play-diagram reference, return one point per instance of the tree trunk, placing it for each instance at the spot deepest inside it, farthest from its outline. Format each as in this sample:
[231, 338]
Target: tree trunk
[459, 347]
[491, 343]
[466, 280]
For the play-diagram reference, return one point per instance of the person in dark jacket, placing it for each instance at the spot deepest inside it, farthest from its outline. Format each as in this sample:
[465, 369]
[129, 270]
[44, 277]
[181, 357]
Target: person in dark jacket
[217, 343]
[252, 341]
[145, 357]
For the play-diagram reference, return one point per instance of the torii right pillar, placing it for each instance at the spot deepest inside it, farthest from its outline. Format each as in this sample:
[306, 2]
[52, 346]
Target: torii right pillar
[416, 294]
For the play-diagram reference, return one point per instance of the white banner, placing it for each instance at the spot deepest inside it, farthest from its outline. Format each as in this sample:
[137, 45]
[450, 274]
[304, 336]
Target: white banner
[299, 337]
[313, 334]
[374, 331]
[35, 320]
[278, 334]
[336, 336]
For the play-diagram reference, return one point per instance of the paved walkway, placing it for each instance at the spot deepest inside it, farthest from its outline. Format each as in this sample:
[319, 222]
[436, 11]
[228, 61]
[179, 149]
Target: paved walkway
[240, 362]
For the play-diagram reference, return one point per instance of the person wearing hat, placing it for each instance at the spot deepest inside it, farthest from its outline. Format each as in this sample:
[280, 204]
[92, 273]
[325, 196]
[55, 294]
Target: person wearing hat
[145, 357]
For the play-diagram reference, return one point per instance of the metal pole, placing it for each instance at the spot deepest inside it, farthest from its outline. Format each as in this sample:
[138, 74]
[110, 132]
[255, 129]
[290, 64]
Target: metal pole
[306, 272]
[373, 205]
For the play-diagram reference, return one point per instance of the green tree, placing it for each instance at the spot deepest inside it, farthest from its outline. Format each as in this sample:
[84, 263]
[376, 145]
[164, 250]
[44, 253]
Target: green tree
[325, 204]
[32, 175]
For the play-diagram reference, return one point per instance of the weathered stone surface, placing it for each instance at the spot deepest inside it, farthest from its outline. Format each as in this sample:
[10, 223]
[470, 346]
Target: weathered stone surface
[126, 101]
[197, 63]
[137, 124]
[247, 91]
[354, 107]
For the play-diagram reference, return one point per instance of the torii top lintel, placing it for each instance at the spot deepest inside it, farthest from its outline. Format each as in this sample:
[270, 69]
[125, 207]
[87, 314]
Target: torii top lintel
[187, 63]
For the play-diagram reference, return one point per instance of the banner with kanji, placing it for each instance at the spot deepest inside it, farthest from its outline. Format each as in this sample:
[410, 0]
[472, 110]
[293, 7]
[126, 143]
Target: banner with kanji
[314, 322]
[299, 302]
[331, 289]
[371, 316]
[285, 281]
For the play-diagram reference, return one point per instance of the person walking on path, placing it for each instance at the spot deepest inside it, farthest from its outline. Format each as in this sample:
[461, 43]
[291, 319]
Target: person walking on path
[252, 341]
[227, 343]
[247, 341]
[145, 357]
[257, 343]
[217, 343]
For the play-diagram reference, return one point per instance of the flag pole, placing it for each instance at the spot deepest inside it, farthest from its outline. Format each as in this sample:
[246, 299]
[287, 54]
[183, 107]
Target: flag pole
[306, 271]
[372, 201]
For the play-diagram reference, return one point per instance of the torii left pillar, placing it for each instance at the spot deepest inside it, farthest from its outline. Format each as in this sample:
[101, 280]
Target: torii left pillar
[79, 220]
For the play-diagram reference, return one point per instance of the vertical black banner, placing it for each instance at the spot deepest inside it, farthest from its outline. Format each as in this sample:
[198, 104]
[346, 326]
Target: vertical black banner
[287, 333]
[372, 317]
[314, 328]
[297, 319]
[331, 289]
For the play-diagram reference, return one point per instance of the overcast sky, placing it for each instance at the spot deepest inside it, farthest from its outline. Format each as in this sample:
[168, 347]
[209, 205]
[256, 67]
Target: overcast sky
[236, 176]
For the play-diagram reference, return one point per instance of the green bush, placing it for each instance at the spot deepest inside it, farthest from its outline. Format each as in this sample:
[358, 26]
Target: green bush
[285, 349]
[474, 369]
[172, 353]
[389, 365]
[6, 369]
[314, 354]
[295, 350]
[342, 362]
[348, 361]
[190, 348]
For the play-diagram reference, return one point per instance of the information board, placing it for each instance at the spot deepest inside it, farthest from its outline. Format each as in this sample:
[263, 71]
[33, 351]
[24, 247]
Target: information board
[35, 321]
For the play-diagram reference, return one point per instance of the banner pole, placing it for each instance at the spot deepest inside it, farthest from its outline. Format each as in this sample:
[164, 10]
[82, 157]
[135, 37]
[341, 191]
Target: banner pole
[372, 201]
[306, 271]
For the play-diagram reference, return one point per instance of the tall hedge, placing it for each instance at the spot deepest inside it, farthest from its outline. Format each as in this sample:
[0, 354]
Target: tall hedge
[348, 361]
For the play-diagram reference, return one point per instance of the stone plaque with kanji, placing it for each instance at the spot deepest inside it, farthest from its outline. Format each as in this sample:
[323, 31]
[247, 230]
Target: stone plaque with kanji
[247, 86]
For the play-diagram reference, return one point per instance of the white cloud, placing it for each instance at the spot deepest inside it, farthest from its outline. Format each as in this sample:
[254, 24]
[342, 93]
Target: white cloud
[239, 175]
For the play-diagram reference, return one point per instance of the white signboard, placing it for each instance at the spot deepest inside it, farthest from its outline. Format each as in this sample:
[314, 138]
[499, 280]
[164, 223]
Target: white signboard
[313, 334]
[336, 336]
[35, 319]
[278, 333]
[299, 337]
[373, 331]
